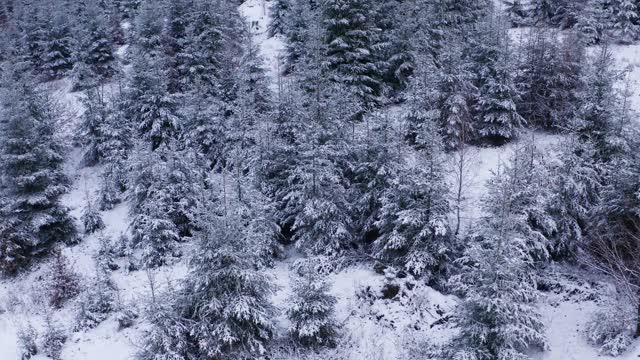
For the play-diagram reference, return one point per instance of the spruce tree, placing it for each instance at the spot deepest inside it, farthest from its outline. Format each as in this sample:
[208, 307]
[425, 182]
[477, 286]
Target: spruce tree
[413, 227]
[57, 47]
[516, 12]
[599, 102]
[223, 307]
[625, 22]
[496, 95]
[575, 192]
[94, 52]
[311, 312]
[352, 47]
[549, 79]
[32, 157]
[279, 17]
[497, 317]
[154, 232]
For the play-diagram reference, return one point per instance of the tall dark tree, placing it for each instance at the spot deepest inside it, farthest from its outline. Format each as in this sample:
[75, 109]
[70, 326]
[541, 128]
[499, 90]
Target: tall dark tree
[32, 157]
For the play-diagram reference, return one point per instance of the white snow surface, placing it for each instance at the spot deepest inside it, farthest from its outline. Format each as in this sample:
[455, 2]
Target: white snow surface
[376, 327]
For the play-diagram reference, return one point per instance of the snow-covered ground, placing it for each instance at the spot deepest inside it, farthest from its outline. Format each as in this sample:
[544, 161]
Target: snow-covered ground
[377, 326]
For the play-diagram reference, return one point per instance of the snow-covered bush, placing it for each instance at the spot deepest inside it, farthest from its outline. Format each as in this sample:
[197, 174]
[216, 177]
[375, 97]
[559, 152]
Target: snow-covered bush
[53, 338]
[27, 337]
[91, 219]
[96, 302]
[126, 317]
[63, 283]
[323, 265]
[311, 312]
[609, 329]
[105, 256]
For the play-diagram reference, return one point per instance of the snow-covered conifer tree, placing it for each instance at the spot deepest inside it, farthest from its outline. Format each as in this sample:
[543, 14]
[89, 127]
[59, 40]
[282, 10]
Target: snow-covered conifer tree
[311, 311]
[497, 317]
[31, 156]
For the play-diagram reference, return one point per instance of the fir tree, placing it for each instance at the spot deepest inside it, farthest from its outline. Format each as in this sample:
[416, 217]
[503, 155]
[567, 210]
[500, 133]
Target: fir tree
[279, 17]
[516, 12]
[94, 53]
[576, 188]
[311, 312]
[153, 230]
[625, 22]
[496, 96]
[224, 305]
[549, 79]
[57, 47]
[352, 45]
[498, 318]
[598, 101]
[32, 157]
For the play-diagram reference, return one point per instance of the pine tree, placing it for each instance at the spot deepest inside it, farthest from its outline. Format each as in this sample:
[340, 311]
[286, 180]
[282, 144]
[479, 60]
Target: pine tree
[311, 312]
[598, 101]
[549, 79]
[625, 22]
[352, 47]
[496, 96]
[32, 156]
[413, 227]
[223, 307]
[498, 317]
[279, 17]
[516, 12]
[153, 230]
[57, 47]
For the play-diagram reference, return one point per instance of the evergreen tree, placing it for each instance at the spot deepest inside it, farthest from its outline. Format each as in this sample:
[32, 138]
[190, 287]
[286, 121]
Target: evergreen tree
[599, 102]
[279, 17]
[223, 307]
[625, 22]
[413, 226]
[496, 96]
[593, 22]
[32, 158]
[175, 34]
[57, 46]
[153, 110]
[93, 123]
[575, 191]
[544, 11]
[311, 312]
[116, 133]
[352, 47]
[498, 317]
[516, 12]
[91, 218]
[153, 230]
[549, 79]
[94, 53]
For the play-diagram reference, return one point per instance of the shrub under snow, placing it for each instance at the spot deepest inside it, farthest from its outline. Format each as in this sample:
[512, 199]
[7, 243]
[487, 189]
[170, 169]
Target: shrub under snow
[609, 329]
